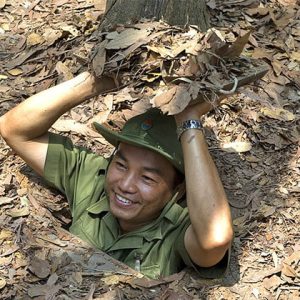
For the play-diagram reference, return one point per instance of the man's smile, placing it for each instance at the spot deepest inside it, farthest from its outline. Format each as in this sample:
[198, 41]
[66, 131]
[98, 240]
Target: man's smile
[123, 201]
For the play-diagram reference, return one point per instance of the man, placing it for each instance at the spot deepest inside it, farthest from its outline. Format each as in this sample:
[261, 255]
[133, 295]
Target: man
[127, 206]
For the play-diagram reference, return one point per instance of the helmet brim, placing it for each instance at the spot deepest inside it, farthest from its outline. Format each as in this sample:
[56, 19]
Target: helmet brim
[114, 138]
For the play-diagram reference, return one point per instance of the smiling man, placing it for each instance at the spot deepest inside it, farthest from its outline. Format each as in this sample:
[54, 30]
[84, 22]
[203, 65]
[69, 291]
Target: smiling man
[128, 205]
[137, 197]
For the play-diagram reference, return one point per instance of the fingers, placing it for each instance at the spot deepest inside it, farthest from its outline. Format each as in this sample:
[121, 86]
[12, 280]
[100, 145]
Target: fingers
[198, 109]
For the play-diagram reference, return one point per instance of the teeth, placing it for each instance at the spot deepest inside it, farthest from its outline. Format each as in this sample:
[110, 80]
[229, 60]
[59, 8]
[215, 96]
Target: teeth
[123, 200]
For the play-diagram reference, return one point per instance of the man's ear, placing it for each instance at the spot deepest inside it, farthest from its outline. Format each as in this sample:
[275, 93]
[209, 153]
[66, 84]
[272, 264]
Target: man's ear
[111, 158]
[180, 191]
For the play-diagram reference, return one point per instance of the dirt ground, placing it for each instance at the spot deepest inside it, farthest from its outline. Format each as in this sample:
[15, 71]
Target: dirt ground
[253, 137]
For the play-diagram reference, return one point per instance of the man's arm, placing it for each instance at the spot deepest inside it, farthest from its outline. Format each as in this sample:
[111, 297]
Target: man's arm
[210, 234]
[25, 127]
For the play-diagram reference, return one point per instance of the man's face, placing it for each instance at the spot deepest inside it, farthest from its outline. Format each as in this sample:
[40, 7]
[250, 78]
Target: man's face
[139, 183]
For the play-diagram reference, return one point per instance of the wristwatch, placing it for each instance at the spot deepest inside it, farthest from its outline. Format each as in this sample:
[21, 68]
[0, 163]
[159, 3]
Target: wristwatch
[188, 124]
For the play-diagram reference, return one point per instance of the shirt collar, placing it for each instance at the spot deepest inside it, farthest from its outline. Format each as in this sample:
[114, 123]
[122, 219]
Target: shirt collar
[150, 231]
[100, 206]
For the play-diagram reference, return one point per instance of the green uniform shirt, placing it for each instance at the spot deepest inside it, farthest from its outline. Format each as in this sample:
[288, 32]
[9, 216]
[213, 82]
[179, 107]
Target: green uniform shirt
[156, 249]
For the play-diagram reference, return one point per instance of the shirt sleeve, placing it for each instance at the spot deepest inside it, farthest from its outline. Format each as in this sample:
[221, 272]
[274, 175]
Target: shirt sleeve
[213, 272]
[72, 170]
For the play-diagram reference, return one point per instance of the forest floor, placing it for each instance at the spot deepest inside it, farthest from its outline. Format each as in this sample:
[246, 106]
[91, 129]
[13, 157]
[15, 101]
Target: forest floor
[44, 42]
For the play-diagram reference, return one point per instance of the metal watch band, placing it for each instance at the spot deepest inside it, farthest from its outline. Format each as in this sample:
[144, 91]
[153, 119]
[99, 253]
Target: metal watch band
[188, 124]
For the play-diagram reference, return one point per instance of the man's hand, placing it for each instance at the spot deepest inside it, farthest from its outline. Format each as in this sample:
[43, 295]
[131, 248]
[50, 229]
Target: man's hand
[25, 127]
[195, 111]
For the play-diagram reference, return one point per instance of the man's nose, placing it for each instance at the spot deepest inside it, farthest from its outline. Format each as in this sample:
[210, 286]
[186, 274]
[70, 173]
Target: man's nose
[127, 183]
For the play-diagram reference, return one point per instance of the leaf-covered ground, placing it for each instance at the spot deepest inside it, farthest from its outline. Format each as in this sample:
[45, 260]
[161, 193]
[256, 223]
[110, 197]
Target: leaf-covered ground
[254, 138]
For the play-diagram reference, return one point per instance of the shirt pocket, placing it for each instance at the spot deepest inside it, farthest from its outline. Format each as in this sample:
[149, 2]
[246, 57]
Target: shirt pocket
[152, 271]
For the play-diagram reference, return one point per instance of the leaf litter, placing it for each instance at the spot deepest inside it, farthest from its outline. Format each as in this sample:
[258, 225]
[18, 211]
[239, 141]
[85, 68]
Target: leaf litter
[253, 137]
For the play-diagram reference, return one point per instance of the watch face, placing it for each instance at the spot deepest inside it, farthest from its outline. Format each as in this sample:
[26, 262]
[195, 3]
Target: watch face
[192, 124]
[189, 124]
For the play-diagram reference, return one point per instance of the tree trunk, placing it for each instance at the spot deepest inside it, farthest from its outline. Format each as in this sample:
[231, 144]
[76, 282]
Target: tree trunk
[174, 12]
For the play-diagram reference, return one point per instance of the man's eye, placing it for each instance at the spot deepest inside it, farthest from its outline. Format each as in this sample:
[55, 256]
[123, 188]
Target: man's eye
[120, 165]
[148, 179]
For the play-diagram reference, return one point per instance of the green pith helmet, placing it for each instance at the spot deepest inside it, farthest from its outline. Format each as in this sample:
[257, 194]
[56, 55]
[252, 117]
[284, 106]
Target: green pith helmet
[152, 130]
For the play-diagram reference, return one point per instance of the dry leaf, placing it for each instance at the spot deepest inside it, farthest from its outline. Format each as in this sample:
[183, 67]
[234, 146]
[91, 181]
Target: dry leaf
[151, 77]
[102, 116]
[39, 267]
[126, 38]
[253, 159]
[5, 26]
[194, 90]
[255, 292]
[4, 234]
[51, 36]
[100, 5]
[290, 42]
[278, 114]
[63, 70]
[3, 77]
[211, 4]
[70, 125]
[77, 277]
[178, 103]
[4, 261]
[240, 221]
[295, 55]
[5, 200]
[267, 211]
[15, 72]
[123, 95]
[112, 35]
[52, 279]
[294, 258]
[262, 11]
[34, 39]
[283, 190]
[162, 51]
[275, 258]
[111, 295]
[2, 3]
[269, 237]
[71, 29]
[163, 98]
[272, 283]
[277, 67]
[289, 271]
[2, 283]
[288, 2]
[57, 242]
[59, 3]
[43, 290]
[111, 280]
[281, 22]
[22, 58]
[19, 212]
[263, 182]
[194, 65]
[4, 89]
[236, 48]
[262, 53]
[12, 249]
[100, 58]
[141, 106]
[236, 147]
